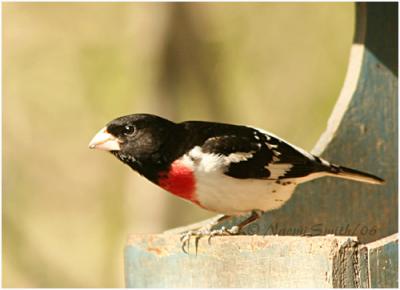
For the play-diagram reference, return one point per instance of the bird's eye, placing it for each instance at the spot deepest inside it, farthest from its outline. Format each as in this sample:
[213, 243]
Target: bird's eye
[128, 130]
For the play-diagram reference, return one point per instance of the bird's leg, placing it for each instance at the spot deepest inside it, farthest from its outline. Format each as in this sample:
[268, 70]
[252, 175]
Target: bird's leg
[199, 233]
[255, 215]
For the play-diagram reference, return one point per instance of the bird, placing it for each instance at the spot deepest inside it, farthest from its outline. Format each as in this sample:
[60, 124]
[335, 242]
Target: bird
[228, 169]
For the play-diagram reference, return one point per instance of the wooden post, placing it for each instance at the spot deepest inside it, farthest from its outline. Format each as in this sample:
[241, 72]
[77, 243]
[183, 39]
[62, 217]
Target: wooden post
[251, 261]
[261, 261]
[361, 133]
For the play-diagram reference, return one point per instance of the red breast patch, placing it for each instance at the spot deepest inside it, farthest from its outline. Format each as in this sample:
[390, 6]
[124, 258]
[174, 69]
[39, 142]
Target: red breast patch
[180, 181]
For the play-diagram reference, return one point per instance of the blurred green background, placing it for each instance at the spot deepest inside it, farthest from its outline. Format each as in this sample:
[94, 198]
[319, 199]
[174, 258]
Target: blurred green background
[70, 68]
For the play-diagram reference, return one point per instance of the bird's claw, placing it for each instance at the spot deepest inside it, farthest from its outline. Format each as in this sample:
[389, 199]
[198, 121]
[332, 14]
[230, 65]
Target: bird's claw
[223, 232]
[185, 237]
[185, 241]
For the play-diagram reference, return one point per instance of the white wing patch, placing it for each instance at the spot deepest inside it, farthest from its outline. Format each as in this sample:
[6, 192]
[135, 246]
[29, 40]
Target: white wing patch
[209, 162]
[240, 156]
[278, 169]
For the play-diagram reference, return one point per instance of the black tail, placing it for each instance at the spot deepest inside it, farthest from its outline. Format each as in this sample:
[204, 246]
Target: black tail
[348, 173]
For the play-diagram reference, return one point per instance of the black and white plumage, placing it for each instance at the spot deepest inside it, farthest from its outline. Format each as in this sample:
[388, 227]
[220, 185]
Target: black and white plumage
[224, 168]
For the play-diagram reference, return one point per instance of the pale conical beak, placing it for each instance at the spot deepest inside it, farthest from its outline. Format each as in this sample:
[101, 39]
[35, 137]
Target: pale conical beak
[105, 141]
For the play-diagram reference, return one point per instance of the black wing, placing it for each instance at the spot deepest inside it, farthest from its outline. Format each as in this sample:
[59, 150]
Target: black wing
[263, 156]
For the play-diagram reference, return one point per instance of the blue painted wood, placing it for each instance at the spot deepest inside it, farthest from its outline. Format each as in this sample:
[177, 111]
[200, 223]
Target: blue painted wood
[384, 263]
[239, 261]
[262, 261]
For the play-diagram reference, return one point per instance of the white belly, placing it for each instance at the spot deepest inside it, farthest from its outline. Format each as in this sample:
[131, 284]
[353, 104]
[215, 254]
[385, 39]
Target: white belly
[223, 194]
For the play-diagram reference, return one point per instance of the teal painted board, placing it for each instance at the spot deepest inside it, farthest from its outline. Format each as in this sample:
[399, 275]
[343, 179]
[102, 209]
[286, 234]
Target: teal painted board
[384, 262]
[238, 261]
[262, 261]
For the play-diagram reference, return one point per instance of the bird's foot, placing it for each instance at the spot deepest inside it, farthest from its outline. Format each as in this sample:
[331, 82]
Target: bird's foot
[206, 231]
[223, 232]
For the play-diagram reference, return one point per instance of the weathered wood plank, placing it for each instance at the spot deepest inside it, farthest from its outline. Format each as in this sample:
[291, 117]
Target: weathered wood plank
[262, 261]
[239, 261]
[363, 267]
[345, 270]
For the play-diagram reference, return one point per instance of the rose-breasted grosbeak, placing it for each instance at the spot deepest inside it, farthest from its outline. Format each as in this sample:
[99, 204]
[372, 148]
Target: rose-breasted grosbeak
[223, 168]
